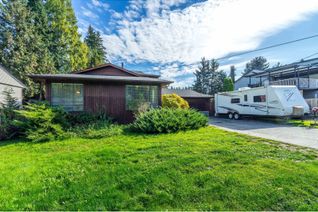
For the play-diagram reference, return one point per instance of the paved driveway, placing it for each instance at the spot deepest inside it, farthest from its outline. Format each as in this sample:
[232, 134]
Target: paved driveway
[288, 134]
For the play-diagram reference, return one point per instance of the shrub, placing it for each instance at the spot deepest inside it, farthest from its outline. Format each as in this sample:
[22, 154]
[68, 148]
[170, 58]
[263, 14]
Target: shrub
[40, 122]
[7, 115]
[174, 101]
[101, 129]
[84, 118]
[167, 120]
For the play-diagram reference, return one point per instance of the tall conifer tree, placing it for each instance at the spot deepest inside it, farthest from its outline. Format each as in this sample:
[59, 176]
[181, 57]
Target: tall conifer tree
[203, 75]
[69, 52]
[96, 50]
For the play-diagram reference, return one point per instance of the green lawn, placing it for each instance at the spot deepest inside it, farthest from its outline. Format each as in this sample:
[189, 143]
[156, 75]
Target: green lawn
[207, 169]
[304, 123]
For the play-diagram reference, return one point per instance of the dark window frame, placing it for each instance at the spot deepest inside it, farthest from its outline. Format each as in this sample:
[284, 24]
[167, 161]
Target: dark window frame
[245, 98]
[259, 98]
[70, 96]
[235, 100]
[134, 99]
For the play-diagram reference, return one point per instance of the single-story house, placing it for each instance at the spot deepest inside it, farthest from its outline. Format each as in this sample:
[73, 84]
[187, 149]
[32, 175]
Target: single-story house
[201, 102]
[107, 88]
[9, 82]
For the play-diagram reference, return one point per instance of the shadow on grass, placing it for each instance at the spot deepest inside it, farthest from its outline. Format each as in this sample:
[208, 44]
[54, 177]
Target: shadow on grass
[13, 142]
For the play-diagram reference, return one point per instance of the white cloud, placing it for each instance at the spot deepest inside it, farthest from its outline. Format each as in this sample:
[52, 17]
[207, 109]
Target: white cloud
[99, 3]
[211, 29]
[158, 31]
[175, 71]
[88, 13]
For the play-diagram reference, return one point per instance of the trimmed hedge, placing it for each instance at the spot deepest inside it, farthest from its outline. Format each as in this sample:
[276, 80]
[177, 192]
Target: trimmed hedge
[167, 120]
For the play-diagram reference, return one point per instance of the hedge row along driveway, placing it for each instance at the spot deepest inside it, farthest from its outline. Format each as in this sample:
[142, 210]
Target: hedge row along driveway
[206, 169]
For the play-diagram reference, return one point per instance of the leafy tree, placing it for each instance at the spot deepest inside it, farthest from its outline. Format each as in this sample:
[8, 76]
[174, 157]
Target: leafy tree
[228, 84]
[22, 49]
[96, 50]
[40, 36]
[257, 63]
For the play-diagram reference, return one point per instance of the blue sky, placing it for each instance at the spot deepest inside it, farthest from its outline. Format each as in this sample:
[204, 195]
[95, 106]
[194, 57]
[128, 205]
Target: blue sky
[169, 37]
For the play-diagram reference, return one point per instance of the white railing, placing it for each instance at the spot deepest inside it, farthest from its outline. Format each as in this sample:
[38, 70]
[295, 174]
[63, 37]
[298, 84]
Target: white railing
[300, 83]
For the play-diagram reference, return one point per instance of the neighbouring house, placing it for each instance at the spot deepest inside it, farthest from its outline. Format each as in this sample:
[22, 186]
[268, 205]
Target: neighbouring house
[107, 88]
[303, 74]
[199, 101]
[9, 82]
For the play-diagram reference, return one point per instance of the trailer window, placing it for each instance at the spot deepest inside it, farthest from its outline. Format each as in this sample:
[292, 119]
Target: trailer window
[235, 100]
[260, 98]
[245, 98]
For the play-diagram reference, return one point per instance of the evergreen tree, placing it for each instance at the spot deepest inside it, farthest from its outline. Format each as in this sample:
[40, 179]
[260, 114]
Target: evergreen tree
[40, 20]
[257, 63]
[203, 75]
[69, 52]
[96, 50]
[228, 84]
[22, 49]
[278, 64]
[216, 79]
[7, 114]
[232, 73]
[208, 79]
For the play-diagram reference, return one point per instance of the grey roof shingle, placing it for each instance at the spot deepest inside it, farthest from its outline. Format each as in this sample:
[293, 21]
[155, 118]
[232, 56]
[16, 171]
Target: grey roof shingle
[86, 77]
[186, 93]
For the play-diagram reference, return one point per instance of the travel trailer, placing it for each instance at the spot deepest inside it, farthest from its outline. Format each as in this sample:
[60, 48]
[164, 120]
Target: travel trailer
[276, 101]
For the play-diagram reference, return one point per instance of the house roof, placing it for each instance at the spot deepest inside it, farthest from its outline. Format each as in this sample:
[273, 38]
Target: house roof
[133, 73]
[301, 66]
[6, 78]
[102, 78]
[186, 93]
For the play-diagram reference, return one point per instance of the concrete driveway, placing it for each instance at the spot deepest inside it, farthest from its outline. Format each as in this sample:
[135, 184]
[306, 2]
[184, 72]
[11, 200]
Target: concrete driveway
[301, 136]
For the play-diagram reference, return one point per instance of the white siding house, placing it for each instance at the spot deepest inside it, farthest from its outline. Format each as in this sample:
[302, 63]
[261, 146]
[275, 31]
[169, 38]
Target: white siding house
[7, 82]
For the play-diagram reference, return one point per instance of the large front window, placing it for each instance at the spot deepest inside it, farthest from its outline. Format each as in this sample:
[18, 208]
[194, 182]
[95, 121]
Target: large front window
[67, 95]
[139, 95]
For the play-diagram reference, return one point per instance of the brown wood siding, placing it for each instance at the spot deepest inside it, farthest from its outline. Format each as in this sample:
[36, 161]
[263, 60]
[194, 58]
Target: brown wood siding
[201, 104]
[109, 71]
[107, 98]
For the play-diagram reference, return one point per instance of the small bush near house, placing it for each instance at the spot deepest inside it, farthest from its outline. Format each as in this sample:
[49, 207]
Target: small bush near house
[99, 129]
[84, 118]
[167, 120]
[40, 122]
[174, 101]
[7, 115]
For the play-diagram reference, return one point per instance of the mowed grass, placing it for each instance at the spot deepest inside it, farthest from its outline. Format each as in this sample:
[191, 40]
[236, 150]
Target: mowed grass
[206, 169]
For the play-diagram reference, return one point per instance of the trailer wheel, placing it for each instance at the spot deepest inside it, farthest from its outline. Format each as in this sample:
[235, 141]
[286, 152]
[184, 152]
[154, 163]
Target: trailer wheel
[230, 115]
[236, 116]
